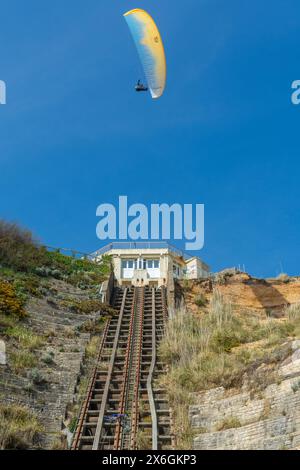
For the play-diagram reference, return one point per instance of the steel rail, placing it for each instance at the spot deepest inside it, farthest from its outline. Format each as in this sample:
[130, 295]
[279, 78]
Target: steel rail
[150, 378]
[166, 317]
[164, 304]
[135, 407]
[91, 386]
[108, 379]
[126, 369]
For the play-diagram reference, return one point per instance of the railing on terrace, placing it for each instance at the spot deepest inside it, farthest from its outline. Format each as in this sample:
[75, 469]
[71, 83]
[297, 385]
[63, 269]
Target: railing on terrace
[119, 246]
[140, 246]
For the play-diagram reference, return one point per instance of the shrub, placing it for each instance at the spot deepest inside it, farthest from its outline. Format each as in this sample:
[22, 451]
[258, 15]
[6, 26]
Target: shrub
[225, 340]
[82, 306]
[19, 428]
[79, 272]
[27, 284]
[18, 250]
[36, 376]
[200, 300]
[48, 358]
[296, 386]
[10, 303]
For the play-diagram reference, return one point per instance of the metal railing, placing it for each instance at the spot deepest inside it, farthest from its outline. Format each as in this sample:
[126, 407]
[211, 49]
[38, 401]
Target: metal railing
[140, 246]
[70, 252]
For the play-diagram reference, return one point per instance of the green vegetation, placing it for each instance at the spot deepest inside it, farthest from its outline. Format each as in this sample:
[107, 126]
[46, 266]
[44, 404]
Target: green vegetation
[25, 342]
[48, 358]
[220, 348]
[82, 306]
[200, 300]
[296, 386]
[20, 253]
[229, 423]
[19, 428]
[73, 424]
[36, 376]
[92, 347]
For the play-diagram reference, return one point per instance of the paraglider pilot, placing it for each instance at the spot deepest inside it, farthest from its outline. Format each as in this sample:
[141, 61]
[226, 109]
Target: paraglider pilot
[140, 87]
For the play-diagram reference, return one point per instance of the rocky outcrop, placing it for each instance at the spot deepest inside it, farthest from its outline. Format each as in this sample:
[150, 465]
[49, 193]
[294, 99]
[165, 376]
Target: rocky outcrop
[247, 293]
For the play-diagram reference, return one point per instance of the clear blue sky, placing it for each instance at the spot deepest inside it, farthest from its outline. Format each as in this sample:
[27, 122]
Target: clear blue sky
[74, 134]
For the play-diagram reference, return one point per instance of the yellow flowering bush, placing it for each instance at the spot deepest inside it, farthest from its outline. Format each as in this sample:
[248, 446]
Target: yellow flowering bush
[10, 304]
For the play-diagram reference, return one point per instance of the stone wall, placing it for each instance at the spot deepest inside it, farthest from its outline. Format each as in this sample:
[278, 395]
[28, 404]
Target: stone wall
[268, 419]
[67, 344]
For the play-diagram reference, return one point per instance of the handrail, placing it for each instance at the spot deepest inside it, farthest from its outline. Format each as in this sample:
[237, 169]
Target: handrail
[108, 379]
[84, 406]
[131, 245]
[150, 378]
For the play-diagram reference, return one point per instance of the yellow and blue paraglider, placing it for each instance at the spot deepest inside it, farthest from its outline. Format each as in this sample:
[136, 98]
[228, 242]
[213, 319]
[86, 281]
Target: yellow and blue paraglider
[150, 47]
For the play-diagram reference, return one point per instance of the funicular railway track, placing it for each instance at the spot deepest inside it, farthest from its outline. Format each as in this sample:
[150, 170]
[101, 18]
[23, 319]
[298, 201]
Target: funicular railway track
[123, 403]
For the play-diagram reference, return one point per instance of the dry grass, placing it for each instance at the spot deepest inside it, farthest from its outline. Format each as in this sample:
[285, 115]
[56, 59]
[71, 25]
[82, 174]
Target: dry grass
[292, 312]
[144, 440]
[19, 428]
[219, 348]
[230, 422]
[25, 337]
[20, 360]
[92, 347]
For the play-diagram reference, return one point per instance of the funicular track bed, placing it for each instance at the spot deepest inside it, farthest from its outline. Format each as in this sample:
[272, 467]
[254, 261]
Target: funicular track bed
[123, 408]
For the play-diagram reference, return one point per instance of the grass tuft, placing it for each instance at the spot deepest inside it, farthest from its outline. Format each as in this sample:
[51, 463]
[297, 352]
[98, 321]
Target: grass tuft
[19, 428]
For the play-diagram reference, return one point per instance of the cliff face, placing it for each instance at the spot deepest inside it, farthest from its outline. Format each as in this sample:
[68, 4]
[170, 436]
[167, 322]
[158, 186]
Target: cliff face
[247, 293]
[258, 408]
[46, 353]
[265, 419]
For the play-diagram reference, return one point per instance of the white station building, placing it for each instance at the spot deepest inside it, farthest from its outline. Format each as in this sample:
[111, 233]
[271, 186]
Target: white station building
[151, 263]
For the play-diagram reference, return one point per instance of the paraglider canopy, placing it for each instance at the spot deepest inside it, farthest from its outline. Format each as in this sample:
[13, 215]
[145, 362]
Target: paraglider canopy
[150, 47]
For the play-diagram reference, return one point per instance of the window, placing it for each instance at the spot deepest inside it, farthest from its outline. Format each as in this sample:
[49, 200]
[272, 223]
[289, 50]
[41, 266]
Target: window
[150, 264]
[127, 263]
[156, 263]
